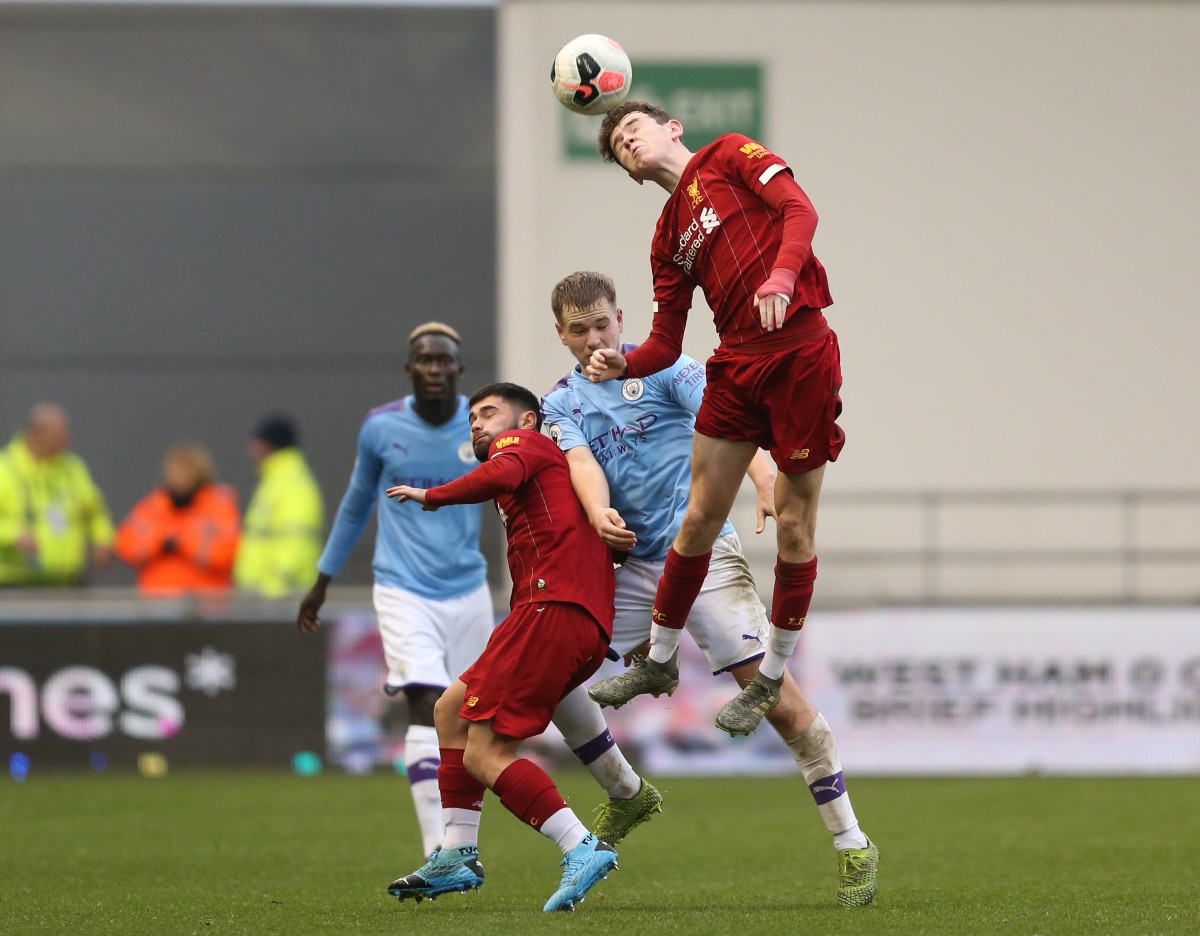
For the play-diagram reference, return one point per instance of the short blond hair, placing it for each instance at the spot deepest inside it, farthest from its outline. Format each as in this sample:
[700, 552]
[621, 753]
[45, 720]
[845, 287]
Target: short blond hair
[581, 290]
[434, 328]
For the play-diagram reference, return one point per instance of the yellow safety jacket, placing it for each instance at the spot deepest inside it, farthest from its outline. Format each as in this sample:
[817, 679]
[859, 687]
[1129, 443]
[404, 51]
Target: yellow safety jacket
[282, 528]
[57, 503]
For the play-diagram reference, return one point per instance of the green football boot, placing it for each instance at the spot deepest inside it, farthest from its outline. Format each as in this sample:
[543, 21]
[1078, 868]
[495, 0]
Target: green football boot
[618, 817]
[858, 869]
[646, 678]
[741, 714]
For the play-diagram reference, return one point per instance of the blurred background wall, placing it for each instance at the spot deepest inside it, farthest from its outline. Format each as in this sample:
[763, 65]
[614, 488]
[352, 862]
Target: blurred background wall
[1008, 214]
[209, 213]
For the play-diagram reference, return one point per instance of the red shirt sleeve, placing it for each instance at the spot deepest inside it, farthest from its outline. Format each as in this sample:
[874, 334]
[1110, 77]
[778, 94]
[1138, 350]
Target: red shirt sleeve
[498, 475]
[662, 348]
[784, 197]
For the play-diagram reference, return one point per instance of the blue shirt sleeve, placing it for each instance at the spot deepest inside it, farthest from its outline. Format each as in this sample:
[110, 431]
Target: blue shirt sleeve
[687, 382]
[562, 428]
[357, 504]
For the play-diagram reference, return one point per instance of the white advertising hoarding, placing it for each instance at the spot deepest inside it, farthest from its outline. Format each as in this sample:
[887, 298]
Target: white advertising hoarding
[961, 691]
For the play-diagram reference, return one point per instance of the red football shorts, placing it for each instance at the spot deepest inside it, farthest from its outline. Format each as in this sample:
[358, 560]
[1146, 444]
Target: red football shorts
[535, 656]
[785, 401]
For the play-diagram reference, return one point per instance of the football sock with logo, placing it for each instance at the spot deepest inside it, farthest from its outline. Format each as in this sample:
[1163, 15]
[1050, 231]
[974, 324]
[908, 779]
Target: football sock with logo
[682, 579]
[462, 827]
[462, 800]
[816, 755]
[527, 792]
[586, 733]
[789, 607]
[565, 829]
[421, 763]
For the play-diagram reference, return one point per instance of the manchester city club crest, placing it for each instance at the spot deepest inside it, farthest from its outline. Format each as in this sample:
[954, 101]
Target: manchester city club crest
[466, 453]
[633, 389]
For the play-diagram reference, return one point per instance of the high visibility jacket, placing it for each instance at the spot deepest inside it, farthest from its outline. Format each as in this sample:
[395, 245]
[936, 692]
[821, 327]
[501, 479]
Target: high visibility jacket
[57, 503]
[182, 549]
[282, 532]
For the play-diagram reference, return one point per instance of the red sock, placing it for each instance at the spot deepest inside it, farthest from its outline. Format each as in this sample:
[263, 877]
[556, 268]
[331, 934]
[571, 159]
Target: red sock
[681, 581]
[527, 792]
[459, 789]
[793, 593]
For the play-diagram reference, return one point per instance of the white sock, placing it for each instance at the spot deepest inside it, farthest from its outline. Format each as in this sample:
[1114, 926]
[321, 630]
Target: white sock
[664, 642]
[565, 829]
[816, 755]
[421, 759]
[583, 728]
[462, 827]
[780, 645]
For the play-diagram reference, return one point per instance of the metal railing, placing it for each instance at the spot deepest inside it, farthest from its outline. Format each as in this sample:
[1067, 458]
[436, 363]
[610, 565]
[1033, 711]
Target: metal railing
[999, 546]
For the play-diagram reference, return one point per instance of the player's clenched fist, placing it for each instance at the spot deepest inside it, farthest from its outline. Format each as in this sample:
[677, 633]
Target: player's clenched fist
[605, 364]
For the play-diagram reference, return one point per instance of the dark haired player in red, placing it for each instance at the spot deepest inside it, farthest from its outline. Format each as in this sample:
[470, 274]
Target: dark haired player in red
[553, 639]
[737, 225]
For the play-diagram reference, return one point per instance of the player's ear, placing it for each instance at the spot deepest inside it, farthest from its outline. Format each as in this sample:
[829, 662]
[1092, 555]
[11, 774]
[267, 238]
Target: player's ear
[562, 336]
[527, 420]
[675, 128]
[620, 320]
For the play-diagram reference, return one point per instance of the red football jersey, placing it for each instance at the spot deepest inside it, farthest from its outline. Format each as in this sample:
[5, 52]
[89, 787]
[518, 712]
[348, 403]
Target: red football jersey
[553, 552]
[717, 232]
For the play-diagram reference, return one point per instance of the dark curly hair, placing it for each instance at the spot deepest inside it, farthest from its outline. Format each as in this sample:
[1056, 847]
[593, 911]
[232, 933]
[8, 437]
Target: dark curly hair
[619, 113]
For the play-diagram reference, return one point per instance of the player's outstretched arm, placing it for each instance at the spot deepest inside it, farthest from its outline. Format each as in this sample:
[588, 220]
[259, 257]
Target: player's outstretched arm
[605, 364]
[403, 492]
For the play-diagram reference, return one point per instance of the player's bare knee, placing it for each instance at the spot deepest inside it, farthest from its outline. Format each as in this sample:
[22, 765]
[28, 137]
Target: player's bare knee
[421, 705]
[699, 530]
[445, 713]
[797, 539]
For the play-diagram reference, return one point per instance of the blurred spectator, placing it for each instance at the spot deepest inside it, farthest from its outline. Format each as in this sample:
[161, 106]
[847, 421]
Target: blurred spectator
[51, 511]
[284, 525]
[182, 537]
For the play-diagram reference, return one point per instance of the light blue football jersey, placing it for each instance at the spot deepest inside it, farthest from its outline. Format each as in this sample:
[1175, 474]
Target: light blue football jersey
[434, 554]
[640, 431]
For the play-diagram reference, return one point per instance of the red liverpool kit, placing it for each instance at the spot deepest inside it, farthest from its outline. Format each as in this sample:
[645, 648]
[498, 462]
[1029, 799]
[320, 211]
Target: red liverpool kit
[735, 216]
[562, 598]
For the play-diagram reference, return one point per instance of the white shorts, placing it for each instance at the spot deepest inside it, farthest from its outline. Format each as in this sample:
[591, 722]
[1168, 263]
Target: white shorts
[728, 621]
[428, 642]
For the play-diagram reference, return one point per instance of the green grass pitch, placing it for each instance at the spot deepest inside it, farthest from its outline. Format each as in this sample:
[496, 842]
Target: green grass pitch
[275, 853]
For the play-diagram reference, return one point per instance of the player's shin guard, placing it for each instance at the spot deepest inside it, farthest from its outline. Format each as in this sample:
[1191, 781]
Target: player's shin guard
[584, 729]
[789, 608]
[815, 752]
[462, 800]
[421, 763]
[682, 579]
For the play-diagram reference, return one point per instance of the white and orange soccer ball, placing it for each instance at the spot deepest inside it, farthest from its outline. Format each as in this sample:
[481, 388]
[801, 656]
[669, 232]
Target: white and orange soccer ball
[591, 74]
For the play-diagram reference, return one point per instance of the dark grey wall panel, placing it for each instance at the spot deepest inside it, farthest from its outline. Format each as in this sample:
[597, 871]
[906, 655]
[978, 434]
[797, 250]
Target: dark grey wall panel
[240, 269]
[172, 89]
[207, 214]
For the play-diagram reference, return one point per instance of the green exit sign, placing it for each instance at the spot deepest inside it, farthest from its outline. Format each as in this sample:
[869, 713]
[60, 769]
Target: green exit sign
[708, 99]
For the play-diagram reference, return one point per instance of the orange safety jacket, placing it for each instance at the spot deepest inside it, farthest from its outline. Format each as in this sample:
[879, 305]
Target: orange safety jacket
[182, 549]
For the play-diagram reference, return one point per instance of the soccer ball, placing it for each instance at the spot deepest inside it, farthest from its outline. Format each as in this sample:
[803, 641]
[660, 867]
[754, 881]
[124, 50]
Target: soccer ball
[591, 74]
